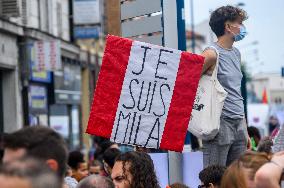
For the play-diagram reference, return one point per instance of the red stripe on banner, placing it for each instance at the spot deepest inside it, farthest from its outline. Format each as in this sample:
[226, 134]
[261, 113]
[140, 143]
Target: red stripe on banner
[182, 101]
[109, 85]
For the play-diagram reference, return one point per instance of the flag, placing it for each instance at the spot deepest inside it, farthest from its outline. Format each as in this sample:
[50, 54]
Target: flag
[264, 96]
[144, 94]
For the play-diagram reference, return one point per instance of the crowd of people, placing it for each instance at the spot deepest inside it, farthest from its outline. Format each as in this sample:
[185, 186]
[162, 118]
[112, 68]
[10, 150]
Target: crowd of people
[237, 157]
[37, 157]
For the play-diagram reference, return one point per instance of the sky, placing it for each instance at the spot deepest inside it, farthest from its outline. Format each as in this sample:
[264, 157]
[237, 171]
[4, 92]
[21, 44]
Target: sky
[264, 25]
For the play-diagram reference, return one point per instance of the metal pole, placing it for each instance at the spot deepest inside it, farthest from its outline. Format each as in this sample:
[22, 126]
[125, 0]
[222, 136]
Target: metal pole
[181, 25]
[192, 26]
[171, 40]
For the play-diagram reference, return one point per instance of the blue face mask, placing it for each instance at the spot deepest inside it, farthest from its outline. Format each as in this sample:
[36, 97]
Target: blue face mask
[241, 35]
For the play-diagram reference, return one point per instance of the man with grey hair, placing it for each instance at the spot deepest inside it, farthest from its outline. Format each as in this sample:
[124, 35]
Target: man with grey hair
[28, 173]
[95, 181]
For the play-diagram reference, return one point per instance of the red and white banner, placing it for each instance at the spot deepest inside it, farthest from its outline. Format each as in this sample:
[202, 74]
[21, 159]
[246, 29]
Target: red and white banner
[144, 94]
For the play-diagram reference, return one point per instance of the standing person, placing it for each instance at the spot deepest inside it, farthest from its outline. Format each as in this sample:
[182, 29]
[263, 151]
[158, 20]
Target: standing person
[231, 141]
[28, 173]
[96, 181]
[255, 137]
[109, 159]
[78, 165]
[242, 172]
[39, 142]
[96, 167]
[134, 170]
[69, 181]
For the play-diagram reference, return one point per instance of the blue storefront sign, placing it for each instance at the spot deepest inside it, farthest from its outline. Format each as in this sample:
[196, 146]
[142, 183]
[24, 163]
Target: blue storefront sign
[86, 32]
[37, 98]
[44, 76]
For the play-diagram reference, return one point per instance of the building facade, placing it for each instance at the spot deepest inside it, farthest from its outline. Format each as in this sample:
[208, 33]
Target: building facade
[271, 83]
[47, 97]
[10, 85]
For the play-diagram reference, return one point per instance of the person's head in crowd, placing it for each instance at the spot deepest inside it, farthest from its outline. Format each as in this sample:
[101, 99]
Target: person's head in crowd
[241, 173]
[234, 177]
[265, 145]
[95, 181]
[254, 134]
[211, 176]
[68, 180]
[134, 170]
[97, 140]
[109, 159]
[227, 22]
[273, 123]
[102, 147]
[38, 142]
[78, 165]
[28, 173]
[108, 144]
[177, 185]
[96, 167]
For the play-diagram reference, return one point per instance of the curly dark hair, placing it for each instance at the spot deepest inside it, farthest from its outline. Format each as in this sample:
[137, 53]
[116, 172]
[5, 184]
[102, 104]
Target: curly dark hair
[141, 168]
[223, 14]
[212, 174]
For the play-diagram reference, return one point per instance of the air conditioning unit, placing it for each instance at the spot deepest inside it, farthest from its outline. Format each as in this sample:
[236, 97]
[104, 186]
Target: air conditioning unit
[9, 8]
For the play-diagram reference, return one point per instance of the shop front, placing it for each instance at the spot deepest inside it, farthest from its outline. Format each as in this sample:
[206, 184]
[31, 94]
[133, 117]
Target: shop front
[51, 77]
[65, 112]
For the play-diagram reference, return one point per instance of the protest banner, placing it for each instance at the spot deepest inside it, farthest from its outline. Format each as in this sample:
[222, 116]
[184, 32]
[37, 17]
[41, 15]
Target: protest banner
[144, 94]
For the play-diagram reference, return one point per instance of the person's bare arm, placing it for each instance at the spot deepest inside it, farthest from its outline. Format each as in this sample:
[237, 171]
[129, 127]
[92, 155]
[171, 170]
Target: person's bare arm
[268, 176]
[209, 62]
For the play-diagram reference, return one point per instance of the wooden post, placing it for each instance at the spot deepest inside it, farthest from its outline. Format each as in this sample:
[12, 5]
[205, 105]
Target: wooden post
[85, 106]
[112, 17]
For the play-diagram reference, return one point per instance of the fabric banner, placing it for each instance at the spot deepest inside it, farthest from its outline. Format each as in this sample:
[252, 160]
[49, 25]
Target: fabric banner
[144, 94]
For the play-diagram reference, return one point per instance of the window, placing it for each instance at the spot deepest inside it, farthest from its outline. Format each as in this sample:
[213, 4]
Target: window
[59, 18]
[43, 15]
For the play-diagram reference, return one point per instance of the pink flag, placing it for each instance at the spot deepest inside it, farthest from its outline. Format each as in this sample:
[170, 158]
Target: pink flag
[144, 94]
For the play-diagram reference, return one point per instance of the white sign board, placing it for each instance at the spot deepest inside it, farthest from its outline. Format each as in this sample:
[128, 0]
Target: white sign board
[192, 164]
[258, 116]
[86, 11]
[161, 165]
[60, 124]
[46, 55]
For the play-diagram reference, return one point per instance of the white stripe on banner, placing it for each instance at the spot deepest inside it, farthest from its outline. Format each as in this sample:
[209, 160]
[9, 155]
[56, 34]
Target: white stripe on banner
[146, 94]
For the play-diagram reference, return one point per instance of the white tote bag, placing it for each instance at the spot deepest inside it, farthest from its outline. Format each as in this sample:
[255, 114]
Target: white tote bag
[208, 104]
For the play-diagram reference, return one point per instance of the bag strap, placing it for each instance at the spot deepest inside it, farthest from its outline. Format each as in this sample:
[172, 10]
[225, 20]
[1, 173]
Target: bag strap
[215, 71]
